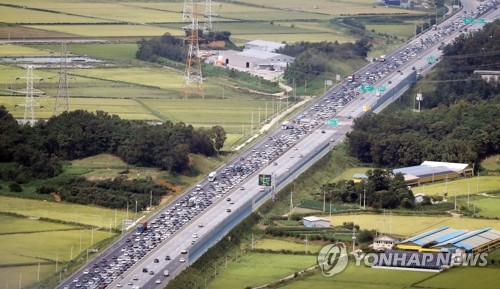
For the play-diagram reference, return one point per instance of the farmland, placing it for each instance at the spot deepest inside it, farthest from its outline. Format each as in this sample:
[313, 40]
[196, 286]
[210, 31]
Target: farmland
[366, 278]
[475, 185]
[253, 269]
[66, 231]
[85, 215]
[399, 224]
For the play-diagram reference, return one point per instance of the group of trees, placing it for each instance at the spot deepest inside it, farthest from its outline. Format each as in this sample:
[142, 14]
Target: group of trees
[173, 48]
[39, 150]
[382, 189]
[112, 193]
[463, 132]
[474, 50]
[461, 122]
[310, 57]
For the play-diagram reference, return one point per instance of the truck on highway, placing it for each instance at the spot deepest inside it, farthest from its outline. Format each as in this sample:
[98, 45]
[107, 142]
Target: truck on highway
[212, 176]
[382, 58]
[143, 226]
[350, 78]
[286, 125]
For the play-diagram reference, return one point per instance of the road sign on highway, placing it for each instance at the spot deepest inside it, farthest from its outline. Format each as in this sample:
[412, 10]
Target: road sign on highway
[382, 89]
[468, 20]
[431, 59]
[332, 122]
[367, 88]
[265, 180]
[481, 20]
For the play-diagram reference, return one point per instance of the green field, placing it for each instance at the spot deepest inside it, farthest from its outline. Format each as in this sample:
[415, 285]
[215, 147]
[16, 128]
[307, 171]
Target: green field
[253, 269]
[19, 15]
[19, 277]
[366, 278]
[16, 225]
[10, 50]
[47, 245]
[400, 224]
[87, 215]
[277, 245]
[402, 31]
[474, 185]
[492, 165]
[118, 30]
[489, 206]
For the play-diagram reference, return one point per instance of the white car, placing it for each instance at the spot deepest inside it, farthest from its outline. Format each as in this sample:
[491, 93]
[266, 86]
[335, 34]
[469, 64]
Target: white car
[195, 235]
[182, 260]
[158, 281]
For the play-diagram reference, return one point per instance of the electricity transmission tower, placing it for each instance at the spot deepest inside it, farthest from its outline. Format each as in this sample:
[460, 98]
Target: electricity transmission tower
[193, 80]
[207, 24]
[62, 99]
[30, 103]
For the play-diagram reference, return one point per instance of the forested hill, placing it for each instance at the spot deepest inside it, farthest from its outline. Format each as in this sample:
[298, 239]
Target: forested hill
[460, 123]
[39, 150]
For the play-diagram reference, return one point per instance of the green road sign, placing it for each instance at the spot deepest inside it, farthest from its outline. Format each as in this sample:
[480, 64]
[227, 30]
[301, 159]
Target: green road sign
[265, 180]
[382, 89]
[332, 122]
[431, 59]
[468, 20]
[481, 20]
[366, 88]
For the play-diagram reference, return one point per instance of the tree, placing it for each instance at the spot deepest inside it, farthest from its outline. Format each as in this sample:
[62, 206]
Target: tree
[218, 137]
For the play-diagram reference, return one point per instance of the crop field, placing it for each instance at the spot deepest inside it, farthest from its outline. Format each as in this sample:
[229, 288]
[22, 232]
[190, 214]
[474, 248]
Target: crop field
[48, 245]
[235, 115]
[463, 278]
[253, 269]
[418, 224]
[19, 277]
[112, 12]
[162, 78]
[402, 31]
[16, 225]
[366, 278]
[10, 50]
[117, 30]
[277, 245]
[489, 206]
[19, 15]
[474, 185]
[87, 215]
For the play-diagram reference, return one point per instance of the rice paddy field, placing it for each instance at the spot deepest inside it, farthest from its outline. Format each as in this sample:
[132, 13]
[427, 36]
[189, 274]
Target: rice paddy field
[253, 269]
[277, 245]
[79, 214]
[399, 224]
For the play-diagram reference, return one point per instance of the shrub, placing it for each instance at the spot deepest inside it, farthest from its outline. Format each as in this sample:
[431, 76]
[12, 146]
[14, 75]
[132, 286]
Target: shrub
[15, 187]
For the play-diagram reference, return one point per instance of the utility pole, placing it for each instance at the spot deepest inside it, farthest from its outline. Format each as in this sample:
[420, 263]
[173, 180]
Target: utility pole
[468, 195]
[135, 210]
[150, 200]
[251, 126]
[324, 200]
[364, 198]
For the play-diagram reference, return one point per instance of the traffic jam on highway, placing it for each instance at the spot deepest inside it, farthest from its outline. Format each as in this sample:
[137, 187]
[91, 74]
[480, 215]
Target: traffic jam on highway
[107, 268]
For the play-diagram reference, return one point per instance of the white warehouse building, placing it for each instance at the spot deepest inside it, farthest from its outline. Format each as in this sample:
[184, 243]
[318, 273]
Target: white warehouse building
[256, 59]
[315, 222]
